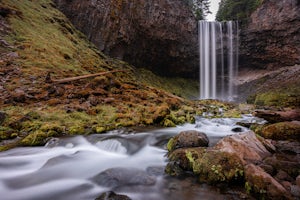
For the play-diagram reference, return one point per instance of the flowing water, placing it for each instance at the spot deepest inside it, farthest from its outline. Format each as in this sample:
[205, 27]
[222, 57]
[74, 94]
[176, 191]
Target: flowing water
[218, 49]
[127, 162]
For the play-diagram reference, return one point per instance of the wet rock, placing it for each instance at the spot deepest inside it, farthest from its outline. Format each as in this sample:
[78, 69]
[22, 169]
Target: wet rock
[110, 195]
[178, 160]
[2, 117]
[188, 139]
[267, 168]
[278, 116]
[237, 129]
[263, 184]
[246, 145]
[282, 131]
[283, 176]
[156, 171]
[298, 180]
[116, 177]
[289, 164]
[295, 190]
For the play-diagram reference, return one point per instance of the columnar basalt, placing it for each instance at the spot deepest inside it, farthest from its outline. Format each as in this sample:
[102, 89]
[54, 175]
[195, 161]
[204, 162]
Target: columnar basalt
[158, 34]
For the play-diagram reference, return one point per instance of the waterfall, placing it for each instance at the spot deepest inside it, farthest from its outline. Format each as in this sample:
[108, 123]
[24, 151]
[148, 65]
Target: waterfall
[218, 48]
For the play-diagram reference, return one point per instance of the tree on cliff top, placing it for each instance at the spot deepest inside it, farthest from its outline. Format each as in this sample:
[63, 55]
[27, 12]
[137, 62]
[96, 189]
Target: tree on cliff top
[236, 9]
[200, 8]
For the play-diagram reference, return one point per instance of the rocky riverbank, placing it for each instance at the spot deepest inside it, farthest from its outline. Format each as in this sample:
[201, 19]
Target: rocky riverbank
[266, 161]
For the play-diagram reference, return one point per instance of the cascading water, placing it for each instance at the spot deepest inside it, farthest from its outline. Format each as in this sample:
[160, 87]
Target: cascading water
[218, 48]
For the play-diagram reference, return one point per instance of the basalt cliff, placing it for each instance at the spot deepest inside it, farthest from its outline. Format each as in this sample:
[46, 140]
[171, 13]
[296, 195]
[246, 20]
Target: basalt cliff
[158, 34]
[271, 39]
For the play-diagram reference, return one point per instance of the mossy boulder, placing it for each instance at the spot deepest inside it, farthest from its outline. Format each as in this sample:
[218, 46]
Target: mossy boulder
[216, 166]
[188, 139]
[282, 131]
[179, 162]
[209, 165]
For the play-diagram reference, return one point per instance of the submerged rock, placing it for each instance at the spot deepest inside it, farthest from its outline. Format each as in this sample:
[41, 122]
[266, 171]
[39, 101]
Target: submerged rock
[188, 139]
[110, 195]
[120, 176]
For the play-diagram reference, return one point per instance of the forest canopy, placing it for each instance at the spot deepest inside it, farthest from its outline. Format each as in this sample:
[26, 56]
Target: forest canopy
[236, 9]
[200, 8]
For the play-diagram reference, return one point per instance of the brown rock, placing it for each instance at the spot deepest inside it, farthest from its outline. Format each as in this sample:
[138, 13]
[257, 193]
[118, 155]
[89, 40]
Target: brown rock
[298, 180]
[188, 139]
[245, 145]
[271, 38]
[278, 116]
[261, 182]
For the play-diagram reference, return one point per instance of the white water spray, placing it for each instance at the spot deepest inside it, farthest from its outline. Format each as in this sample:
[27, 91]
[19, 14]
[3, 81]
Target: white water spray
[218, 47]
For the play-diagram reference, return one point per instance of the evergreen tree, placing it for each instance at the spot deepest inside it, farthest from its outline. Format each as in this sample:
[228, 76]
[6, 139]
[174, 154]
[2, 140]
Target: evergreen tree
[236, 9]
[200, 8]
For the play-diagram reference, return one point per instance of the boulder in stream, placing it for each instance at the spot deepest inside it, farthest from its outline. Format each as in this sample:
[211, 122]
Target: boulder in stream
[110, 195]
[282, 131]
[188, 139]
[120, 176]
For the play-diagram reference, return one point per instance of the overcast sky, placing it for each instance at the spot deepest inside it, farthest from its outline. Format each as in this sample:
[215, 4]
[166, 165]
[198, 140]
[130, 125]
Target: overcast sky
[214, 5]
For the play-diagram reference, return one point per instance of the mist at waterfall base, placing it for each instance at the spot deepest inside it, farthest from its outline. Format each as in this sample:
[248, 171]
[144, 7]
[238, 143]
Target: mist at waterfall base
[218, 51]
[130, 163]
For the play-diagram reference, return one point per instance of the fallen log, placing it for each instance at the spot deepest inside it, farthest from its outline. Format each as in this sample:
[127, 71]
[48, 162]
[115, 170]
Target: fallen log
[65, 80]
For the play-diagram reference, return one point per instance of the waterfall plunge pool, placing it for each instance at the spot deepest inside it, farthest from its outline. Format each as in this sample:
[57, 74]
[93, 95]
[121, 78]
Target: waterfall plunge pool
[121, 161]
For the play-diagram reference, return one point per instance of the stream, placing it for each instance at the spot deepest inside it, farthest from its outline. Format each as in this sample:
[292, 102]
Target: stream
[129, 162]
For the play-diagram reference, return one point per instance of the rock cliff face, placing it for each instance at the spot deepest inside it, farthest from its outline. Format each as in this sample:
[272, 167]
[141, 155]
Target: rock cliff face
[272, 37]
[157, 34]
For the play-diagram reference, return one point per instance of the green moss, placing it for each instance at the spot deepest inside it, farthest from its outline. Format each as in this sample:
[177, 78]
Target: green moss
[48, 40]
[279, 98]
[282, 131]
[168, 123]
[187, 88]
[76, 130]
[38, 138]
[215, 166]
[248, 187]
[170, 145]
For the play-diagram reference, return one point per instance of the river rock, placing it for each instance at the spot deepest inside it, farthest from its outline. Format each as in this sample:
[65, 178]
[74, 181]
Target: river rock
[262, 183]
[278, 116]
[282, 131]
[245, 145]
[110, 195]
[298, 180]
[116, 177]
[188, 139]
[158, 34]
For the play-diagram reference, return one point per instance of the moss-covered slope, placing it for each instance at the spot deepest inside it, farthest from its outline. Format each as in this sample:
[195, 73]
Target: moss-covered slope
[37, 40]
